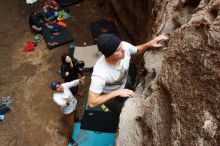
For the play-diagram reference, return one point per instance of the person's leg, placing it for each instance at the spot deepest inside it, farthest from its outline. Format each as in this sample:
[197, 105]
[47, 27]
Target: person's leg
[115, 105]
[70, 122]
[131, 77]
[79, 91]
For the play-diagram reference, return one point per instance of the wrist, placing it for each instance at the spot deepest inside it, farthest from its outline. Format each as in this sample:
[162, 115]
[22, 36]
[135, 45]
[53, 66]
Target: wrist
[116, 93]
[148, 45]
[80, 81]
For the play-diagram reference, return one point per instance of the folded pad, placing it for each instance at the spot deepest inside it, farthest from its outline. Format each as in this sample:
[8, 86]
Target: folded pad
[104, 26]
[99, 121]
[89, 54]
[61, 39]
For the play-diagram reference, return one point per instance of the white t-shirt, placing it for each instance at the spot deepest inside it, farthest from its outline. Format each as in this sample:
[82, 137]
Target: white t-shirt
[61, 98]
[106, 78]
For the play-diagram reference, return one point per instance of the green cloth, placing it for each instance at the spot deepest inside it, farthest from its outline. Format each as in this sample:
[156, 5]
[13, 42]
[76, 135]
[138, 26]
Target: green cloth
[62, 15]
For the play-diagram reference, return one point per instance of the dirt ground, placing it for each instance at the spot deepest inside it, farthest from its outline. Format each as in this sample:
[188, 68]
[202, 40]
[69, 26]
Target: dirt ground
[35, 120]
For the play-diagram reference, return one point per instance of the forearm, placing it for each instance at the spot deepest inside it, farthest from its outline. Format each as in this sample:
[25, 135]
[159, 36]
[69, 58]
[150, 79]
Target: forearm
[68, 101]
[63, 75]
[95, 100]
[142, 48]
[154, 43]
[65, 104]
[62, 103]
[72, 83]
[75, 83]
[36, 28]
[63, 71]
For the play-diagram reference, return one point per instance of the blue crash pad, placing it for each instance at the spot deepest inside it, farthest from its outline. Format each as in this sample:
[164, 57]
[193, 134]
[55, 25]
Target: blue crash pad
[92, 138]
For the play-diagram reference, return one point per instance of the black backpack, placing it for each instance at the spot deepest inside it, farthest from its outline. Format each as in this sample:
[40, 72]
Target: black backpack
[104, 26]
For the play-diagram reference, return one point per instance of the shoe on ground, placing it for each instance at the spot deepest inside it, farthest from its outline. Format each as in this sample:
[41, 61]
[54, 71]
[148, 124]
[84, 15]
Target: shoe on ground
[72, 142]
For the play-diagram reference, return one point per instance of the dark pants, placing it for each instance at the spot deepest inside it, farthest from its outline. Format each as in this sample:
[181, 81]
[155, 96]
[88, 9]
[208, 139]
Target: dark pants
[115, 105]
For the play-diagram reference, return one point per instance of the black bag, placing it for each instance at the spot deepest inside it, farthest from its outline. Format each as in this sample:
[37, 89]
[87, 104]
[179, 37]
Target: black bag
[104, 26]
[4, 108]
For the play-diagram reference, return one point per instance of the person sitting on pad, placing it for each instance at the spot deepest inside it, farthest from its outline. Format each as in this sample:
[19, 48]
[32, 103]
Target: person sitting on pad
[36, 22]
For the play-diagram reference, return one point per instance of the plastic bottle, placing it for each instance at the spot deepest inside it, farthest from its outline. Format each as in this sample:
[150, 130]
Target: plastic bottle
[2, 117]
[72, 46]
[71, 49]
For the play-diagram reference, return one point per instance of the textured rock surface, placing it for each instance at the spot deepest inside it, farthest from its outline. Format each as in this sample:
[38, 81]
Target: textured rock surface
[183, 105]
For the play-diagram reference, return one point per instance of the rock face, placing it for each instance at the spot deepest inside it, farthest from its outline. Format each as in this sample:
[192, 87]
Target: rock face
[181, 105]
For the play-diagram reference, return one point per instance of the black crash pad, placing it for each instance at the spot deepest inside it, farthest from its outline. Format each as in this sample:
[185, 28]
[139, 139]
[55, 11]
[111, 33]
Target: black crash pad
[100, 121]
[63, 37]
